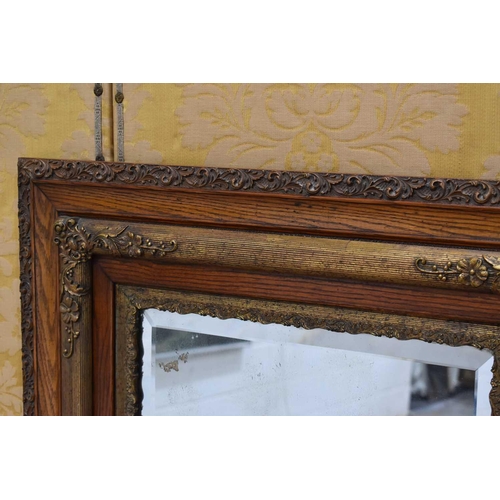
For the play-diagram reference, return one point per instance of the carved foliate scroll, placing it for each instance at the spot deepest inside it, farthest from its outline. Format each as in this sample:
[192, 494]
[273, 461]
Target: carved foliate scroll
[475, 272]
[77, 244]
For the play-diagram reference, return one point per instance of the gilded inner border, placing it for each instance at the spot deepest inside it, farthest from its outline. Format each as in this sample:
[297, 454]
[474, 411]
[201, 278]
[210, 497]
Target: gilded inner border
[132, 301]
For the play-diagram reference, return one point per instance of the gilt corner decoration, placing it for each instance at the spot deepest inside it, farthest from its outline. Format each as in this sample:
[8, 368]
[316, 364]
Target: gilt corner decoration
[409, 258]
[474, 272]
[76, 245]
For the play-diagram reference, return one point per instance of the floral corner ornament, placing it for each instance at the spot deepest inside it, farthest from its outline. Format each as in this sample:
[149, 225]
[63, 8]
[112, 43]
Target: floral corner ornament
[77, 243]
[469, 272]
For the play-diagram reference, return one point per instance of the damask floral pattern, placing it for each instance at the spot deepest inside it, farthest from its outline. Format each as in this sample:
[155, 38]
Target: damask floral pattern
[367, 128]
[35, 120]
[9, 319]
[11, 401]
[81, 143]
[492, 163]
[21, 114]
[8, 245]
[137, 150]
[492, 167]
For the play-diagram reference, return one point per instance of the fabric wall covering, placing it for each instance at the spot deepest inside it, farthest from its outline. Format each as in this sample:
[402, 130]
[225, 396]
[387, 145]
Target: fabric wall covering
[48, 121]
[436, 130]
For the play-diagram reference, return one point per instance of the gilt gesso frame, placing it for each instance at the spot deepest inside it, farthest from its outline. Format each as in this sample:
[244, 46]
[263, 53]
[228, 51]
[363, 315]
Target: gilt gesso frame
[410, 258]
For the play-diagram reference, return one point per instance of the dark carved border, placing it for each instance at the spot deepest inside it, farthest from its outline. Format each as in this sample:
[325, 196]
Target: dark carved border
[26, 276]
[446, 191]
[132, 301]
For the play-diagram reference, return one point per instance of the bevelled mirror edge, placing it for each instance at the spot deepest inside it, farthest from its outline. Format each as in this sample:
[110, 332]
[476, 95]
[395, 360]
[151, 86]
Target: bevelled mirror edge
[133, 301]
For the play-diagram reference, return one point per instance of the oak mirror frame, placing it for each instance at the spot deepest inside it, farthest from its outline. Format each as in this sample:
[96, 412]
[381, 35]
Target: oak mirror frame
[100, 242]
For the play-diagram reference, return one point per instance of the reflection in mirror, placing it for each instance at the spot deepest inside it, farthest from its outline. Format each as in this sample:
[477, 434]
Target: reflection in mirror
[198, 365]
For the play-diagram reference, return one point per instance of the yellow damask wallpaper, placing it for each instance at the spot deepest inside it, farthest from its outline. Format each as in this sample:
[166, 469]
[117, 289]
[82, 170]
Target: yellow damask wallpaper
[438, 130]
[53, 120]
[448, 130]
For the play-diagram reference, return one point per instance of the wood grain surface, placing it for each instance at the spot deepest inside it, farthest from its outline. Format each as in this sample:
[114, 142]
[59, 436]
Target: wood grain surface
[413, 222]
[391, 299]
[104, 341]
[48, 367]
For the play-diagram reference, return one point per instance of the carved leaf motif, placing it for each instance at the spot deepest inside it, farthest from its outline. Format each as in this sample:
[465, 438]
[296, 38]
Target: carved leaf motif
[493, 261]
[449, 191]
[471, 272]
[76, 245]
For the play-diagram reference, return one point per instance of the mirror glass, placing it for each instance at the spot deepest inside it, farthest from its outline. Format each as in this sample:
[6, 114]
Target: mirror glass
[198, 365]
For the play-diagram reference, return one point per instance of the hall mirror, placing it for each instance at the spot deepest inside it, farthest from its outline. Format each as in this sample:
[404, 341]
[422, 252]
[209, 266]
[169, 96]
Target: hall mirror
[200, 365]
[163, 290]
